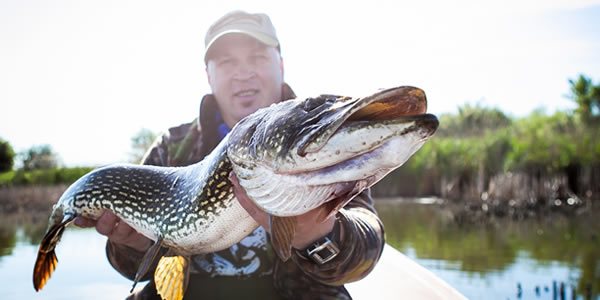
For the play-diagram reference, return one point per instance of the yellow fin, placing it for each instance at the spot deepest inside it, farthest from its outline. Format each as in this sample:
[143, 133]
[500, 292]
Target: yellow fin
[44, 267]
[171, 277]
[283, 230]
[46, 260]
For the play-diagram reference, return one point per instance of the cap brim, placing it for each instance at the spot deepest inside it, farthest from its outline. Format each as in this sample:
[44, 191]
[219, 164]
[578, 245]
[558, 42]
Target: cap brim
[261, 37]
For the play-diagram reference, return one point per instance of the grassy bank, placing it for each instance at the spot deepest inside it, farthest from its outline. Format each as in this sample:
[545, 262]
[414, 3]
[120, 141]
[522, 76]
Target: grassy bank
[52, 176]
[30, 198]
[482, 154]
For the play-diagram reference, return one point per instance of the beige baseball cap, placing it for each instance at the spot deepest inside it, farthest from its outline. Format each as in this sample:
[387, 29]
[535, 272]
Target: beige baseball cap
[258, 26]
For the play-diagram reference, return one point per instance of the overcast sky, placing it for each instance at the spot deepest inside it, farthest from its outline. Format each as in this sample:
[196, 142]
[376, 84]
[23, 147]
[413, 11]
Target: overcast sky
[85, 76]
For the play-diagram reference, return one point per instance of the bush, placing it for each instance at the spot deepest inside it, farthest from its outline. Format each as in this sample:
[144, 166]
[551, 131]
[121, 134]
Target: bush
[6, 178]
[7, 156]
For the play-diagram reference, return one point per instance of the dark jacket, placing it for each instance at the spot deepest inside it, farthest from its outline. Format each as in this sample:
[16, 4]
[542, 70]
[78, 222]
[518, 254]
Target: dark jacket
[251, 266]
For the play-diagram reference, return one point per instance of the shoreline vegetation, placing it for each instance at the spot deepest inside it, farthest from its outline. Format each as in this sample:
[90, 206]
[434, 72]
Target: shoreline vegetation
[497, 165]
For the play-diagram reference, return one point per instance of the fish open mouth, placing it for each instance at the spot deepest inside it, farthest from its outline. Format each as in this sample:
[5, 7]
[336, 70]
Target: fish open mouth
[391, 104]
[403, 104]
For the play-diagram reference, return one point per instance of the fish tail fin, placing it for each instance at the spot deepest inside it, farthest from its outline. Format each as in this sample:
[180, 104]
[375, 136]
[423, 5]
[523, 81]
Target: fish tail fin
[171, 277]
[46, 261]
[43, 269]
[282, 230]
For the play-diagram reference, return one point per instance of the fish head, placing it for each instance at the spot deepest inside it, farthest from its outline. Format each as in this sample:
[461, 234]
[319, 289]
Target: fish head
[331, 140]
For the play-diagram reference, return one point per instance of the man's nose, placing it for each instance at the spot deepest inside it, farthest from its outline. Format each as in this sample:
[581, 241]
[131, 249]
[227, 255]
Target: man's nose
[245, 71]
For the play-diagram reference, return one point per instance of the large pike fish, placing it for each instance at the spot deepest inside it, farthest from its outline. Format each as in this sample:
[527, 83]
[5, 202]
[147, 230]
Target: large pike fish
[290, 157]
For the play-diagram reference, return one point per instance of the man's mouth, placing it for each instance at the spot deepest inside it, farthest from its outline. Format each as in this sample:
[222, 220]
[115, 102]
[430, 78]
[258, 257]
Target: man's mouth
[246, 93]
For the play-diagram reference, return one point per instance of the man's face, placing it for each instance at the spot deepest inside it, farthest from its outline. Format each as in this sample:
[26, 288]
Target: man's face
[244, 75]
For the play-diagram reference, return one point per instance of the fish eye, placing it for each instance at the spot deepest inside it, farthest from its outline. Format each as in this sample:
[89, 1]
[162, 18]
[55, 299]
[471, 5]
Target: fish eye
[312, 103]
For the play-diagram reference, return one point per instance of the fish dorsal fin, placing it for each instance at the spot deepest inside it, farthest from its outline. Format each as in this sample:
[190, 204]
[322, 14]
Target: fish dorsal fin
[171, 276]
[147, 261]
[282, 231]
[46, 260]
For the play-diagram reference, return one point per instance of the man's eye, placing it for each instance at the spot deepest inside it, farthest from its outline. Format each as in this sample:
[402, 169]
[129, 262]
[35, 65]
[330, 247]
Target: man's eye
[225, 62]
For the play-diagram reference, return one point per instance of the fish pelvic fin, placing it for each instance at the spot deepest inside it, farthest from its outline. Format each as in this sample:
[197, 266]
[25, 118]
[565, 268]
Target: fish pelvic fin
[283, 230]
[172, 276]
[46, 260]
[147, 260]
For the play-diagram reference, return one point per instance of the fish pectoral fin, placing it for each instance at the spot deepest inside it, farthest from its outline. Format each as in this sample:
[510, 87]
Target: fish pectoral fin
[283, 230]
[147, 260]
[171, 277]
[46, 260]
[333, 206]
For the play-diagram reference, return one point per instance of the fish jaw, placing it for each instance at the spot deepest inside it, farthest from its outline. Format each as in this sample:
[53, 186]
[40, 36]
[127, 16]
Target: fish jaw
[390, 148]
[379, 144]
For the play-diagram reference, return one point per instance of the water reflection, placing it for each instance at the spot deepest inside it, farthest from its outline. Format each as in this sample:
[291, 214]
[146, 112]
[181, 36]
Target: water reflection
[8, 240]
[33, 225]
[491, 247]
[484, 260]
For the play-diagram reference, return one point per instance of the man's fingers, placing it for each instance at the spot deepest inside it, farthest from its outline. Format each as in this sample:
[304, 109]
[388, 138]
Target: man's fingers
[253, 210]
[234, 179]
[241, 195]
[106, 223]
[84, 222]
[121, 232]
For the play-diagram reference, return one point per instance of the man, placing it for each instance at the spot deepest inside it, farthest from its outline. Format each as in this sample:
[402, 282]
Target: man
[245, 73]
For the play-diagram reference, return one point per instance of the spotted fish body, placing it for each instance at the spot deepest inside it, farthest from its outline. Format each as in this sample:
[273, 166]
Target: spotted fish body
[186, 206]
[290, 158]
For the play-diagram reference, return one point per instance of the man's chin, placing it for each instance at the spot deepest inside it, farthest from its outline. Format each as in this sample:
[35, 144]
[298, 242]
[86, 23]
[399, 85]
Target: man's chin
[245, 111]
[246, 101]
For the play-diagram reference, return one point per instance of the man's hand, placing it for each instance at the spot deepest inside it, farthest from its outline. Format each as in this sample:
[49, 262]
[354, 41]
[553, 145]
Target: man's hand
[308, 230]
[118, 232]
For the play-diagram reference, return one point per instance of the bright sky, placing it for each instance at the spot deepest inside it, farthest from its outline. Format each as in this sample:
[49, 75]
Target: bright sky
[86, 76]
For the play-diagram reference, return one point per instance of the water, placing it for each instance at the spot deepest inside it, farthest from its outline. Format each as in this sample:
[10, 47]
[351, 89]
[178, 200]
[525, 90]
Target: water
[483, 261]
[489, 260]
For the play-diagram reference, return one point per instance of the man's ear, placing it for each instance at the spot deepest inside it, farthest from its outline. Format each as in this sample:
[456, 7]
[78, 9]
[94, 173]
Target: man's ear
[281, 65]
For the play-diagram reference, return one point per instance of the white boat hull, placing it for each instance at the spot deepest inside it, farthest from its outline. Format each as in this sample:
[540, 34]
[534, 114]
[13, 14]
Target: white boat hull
[398, 277]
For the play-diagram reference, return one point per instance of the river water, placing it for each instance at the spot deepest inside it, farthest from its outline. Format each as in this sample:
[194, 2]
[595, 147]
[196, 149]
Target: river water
[494, 259]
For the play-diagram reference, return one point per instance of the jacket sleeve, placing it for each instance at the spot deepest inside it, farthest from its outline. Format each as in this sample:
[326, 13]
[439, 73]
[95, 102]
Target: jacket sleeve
[126, 260]
[360, 236]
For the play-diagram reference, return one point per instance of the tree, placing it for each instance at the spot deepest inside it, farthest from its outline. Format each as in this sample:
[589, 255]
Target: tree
[7, 156]
[140, 142]
[587, 97]
[472, 121]
[39, 157]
